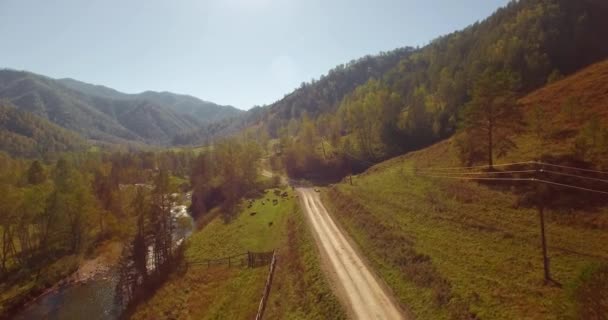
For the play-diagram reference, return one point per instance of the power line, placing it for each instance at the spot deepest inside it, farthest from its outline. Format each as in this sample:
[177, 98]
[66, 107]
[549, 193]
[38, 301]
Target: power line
[572, 168]
[473, 178]
[517, 179]
[570, 186]
[484, 166]
[539, 163]
[489, 173]
[514, 172]
[573, 175]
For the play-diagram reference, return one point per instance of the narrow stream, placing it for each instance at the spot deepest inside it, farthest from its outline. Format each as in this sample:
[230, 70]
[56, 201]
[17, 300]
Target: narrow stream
[93, 300]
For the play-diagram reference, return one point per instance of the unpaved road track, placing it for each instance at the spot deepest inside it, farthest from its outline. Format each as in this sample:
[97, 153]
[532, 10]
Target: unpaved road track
[367, 299]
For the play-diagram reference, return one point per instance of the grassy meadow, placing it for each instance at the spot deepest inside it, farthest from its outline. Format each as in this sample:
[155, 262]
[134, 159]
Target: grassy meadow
[219, 292]
[466, 249]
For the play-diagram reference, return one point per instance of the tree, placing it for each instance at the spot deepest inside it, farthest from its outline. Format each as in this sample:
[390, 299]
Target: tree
[160, 218]
[540, 127]
[11, 198]
[492, 115]
[592, 142]
[140, 244]
[36, 174]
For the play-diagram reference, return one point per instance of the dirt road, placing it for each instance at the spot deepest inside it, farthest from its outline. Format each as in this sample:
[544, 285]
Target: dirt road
[366, 297]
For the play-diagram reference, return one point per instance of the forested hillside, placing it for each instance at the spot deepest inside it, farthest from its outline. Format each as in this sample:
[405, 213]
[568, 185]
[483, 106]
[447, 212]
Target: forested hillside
[313, 98]
[434, 90]
[103, 114]
[452, 222]
[23, 134]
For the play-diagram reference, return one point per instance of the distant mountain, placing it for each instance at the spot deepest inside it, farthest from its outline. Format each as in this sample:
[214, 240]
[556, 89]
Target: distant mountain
[202, 111]
[24, 134]
[104, 114]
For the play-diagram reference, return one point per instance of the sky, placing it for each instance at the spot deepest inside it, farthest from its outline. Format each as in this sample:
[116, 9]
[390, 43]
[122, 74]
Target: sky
[237, 52]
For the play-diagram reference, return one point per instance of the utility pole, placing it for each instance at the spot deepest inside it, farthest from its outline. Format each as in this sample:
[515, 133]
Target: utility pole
[541, 213]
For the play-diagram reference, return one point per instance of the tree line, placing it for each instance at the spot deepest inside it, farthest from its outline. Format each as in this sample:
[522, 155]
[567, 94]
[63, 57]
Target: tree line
[228, 171]
[54, 212]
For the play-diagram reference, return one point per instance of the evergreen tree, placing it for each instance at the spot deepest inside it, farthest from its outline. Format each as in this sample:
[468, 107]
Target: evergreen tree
[492, 115]
[36, 173]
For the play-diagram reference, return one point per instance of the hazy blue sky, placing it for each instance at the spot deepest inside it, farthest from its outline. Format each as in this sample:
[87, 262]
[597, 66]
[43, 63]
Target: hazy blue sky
[239, 52]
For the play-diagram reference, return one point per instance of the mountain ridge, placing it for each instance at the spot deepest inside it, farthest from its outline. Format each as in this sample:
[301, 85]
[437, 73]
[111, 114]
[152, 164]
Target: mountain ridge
[101, 113]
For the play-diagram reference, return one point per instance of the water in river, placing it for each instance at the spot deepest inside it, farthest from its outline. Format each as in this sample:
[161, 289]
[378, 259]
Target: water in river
[93, 300]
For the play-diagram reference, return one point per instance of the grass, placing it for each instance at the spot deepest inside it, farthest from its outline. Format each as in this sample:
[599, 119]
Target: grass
[220, 292]
[300, 289]
[449, 247]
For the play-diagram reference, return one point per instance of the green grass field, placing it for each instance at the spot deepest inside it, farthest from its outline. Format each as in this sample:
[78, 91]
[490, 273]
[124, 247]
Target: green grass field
[452, 248]
[219, 292]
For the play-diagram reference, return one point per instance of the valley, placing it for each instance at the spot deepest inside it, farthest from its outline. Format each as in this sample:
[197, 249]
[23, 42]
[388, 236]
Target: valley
[463, 177]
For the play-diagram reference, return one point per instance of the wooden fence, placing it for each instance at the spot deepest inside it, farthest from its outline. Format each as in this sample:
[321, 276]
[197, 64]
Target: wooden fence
[248, 259]
[262, 306]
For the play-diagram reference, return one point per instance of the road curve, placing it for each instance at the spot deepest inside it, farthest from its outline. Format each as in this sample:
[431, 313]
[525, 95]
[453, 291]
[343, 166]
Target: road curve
[366, 298]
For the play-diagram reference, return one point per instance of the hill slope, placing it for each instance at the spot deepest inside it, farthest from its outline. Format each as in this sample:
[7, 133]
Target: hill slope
[537, 40]
[199, 110]
[104, 114]
[314, 98]
[453, 248]
[23, 134]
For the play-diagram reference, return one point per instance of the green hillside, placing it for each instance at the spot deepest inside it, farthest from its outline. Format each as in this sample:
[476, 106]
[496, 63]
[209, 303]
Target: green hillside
[453, 248]
[410, 98]
[103, 114]
[22, 134]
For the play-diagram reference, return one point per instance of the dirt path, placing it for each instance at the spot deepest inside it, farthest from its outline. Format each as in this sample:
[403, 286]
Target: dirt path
[365, 296]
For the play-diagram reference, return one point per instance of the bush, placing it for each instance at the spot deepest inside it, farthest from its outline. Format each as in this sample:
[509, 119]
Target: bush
[590, 293]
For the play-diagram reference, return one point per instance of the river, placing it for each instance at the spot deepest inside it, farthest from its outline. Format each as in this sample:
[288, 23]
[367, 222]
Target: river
[94, 299]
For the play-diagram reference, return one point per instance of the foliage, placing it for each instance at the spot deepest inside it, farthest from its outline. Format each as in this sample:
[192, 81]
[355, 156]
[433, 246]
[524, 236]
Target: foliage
[492, 116]
[592, 142]
[225, 174]
[53, 213]
[152, 253]
[24, 134]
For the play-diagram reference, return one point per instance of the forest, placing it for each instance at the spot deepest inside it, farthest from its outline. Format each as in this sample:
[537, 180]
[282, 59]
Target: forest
[53, 213]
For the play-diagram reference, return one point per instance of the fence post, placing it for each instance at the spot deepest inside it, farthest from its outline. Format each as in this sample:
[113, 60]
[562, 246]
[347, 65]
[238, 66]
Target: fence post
[266, 293]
